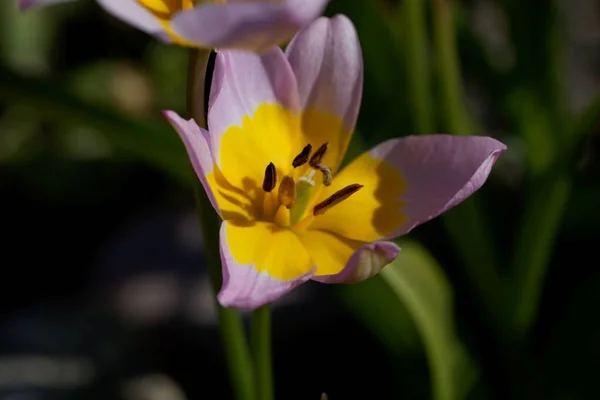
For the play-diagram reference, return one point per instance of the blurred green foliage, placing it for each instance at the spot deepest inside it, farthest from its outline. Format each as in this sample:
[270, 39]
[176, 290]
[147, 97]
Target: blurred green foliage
[476, 303]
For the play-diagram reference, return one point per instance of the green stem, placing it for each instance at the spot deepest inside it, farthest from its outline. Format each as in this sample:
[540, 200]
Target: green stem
[535, 243]
[452, 96]
[417, 65]
[553, 143]
[230, 322]
[464, 223]
[261, 349]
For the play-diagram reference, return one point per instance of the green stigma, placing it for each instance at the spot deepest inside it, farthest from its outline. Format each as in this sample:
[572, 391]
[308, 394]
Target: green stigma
[304, 189]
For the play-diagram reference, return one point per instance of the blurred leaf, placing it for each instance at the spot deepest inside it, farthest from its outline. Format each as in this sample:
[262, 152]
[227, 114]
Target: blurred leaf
[419, 283]
[535, 124]
[167, 67]
[589, 121]
[380, 310]
[25, 38]
[534, 244]
[383, 109]
[418, 65]
[154, 141]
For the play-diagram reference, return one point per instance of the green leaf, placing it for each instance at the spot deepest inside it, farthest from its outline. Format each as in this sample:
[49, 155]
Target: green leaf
[396, 332]
[383, 111]
[151, 141]
[419, 283]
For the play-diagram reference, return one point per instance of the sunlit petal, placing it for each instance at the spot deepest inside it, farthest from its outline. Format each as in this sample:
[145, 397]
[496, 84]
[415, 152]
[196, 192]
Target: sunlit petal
[261, 262]
[407, 181]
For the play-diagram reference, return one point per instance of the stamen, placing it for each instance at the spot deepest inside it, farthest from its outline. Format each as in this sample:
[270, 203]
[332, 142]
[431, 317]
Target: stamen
[318, 155]
[287, 192]
[302, 158]
[336, 198]
[270, 178]
[327, 175]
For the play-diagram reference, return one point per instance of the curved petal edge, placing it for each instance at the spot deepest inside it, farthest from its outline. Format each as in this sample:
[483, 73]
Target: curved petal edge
[195, 141]
[245, 288]
[251, 26]
[365, 263]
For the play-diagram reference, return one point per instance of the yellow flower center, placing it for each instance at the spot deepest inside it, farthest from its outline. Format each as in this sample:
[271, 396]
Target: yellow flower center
[296, 195]
[276, 182]
[276, 164]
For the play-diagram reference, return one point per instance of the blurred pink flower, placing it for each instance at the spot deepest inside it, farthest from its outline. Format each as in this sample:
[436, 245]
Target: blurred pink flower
[254, 25]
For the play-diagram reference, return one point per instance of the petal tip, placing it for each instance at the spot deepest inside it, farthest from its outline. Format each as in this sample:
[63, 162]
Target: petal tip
[365, 263]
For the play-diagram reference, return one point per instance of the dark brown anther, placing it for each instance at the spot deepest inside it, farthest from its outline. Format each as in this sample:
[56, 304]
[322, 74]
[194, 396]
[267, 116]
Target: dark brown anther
[302, 158]
[327, 175]
[336, 198]
[270, 178]
[318, 155]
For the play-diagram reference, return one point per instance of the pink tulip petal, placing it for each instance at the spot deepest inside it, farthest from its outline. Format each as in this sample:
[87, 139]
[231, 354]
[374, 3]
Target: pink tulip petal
[133, 13]
[254, 26]
[242, 82]
[327, 60]
[273, 250]
[407, 181]
[365, 263]
[440, 171]
[195, 140]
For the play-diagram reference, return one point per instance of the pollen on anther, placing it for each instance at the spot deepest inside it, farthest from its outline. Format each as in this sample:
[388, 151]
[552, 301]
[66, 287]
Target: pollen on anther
[270, 179]
[302, 158]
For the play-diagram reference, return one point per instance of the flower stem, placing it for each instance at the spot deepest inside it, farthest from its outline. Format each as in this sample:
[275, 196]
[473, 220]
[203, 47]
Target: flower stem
[416, 50]
[261, 350]
[535, 243]
[232, 330]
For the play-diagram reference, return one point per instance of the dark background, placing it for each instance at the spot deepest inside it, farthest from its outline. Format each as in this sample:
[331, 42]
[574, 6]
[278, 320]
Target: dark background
[104, 292]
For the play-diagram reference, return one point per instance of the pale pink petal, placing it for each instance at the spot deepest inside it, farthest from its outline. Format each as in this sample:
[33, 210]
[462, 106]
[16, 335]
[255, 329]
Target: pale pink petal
[365, 263]
[246, 286]
[440, 171]
[327, 60]
[406, 182]
[133, 13]
[253, 26]
[195, 140]
[243, 81]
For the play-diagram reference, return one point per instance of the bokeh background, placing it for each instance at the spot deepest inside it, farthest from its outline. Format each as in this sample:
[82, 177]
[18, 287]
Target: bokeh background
[104, 290]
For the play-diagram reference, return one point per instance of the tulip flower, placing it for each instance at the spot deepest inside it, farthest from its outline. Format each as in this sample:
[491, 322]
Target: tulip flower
[279, 125]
